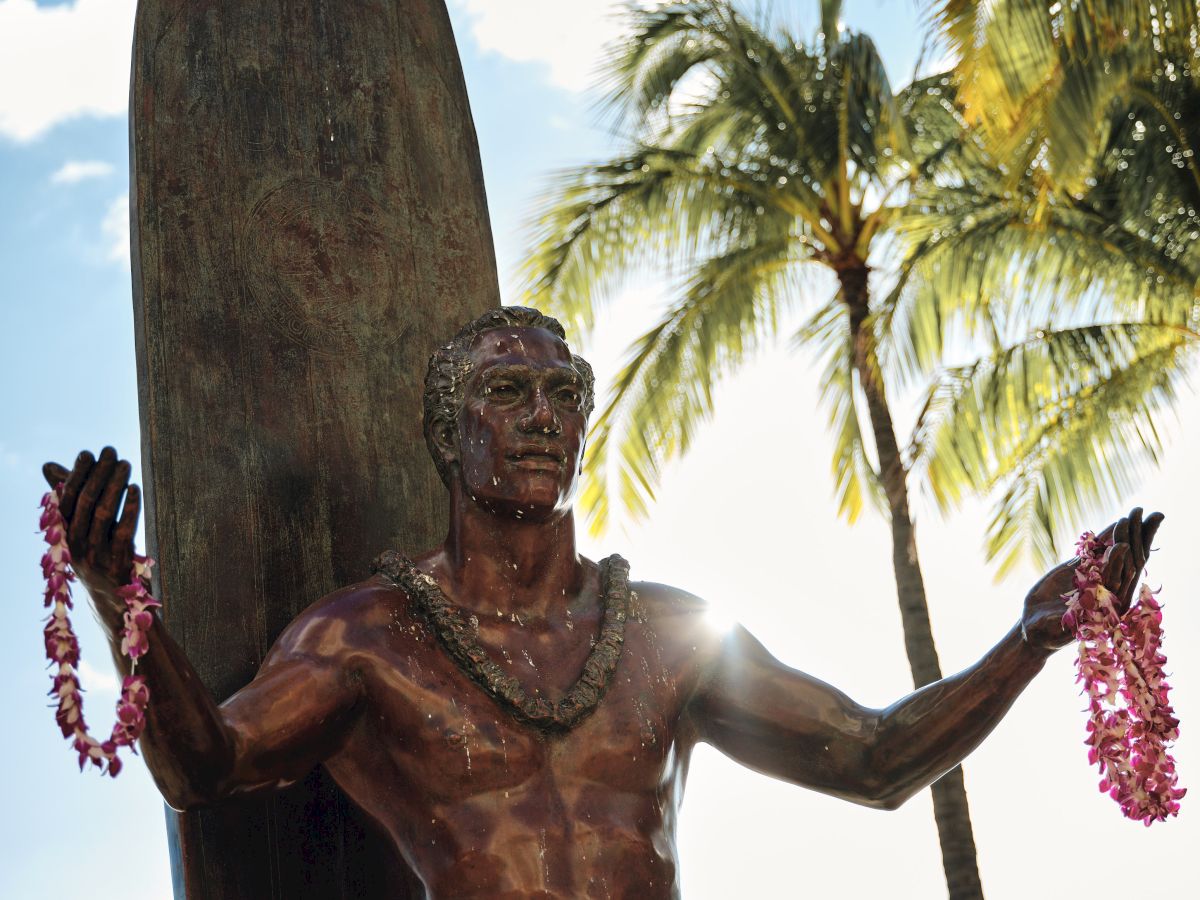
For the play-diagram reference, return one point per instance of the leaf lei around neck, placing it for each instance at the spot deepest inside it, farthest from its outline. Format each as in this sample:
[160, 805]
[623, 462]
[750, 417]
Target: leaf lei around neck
[458, 639]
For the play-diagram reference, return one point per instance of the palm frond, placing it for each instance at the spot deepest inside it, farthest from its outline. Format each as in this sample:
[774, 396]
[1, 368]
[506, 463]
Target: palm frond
[655, 206]
[989, 268]
[1048, 76]
[1065, 419]
[855, 479]
[876, 134]
[661, 47]
[1090, 454]
[831, 15]
[664, 391]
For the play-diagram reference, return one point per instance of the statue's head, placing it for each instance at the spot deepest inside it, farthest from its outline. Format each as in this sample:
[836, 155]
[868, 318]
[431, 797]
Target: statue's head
[504, 399]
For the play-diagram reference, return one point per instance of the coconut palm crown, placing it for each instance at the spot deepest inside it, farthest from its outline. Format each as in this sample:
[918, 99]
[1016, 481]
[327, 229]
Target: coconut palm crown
[1077, 245]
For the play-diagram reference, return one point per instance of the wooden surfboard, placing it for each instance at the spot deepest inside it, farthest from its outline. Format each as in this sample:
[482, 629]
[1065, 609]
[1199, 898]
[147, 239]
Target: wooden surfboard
[309, 223]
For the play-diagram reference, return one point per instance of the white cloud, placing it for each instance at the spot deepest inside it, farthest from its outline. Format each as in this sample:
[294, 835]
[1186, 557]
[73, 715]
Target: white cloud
[60, 62]
[100, 681]
[569, 37]
[77, 170]
[115, 228]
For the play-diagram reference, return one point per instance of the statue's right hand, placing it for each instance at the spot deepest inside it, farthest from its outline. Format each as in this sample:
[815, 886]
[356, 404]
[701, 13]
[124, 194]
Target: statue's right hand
[101, 544]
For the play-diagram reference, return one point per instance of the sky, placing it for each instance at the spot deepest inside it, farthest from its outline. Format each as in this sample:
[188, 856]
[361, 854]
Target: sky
[747, 520]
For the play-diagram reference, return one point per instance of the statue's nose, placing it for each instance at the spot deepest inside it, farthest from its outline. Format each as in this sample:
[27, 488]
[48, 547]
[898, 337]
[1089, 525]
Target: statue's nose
[540, 417]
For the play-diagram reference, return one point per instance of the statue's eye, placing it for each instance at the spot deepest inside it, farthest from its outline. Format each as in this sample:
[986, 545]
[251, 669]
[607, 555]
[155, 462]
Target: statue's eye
[502, 391]
[569, 396]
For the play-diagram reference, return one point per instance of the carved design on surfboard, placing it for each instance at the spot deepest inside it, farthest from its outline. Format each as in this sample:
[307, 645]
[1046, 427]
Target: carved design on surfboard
[318, 267]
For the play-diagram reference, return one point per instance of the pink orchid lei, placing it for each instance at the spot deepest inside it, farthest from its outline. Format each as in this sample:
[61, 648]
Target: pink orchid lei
[62, 647]
[1130, 721]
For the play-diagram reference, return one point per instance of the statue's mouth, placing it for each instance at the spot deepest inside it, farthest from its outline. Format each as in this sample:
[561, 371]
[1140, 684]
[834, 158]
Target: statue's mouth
[537, 457]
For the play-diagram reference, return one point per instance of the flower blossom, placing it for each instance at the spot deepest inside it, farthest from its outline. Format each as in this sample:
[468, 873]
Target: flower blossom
[62, 647]
[1120, 664]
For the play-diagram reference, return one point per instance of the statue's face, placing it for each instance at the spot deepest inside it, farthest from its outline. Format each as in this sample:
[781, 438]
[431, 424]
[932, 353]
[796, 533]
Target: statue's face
[521, 430]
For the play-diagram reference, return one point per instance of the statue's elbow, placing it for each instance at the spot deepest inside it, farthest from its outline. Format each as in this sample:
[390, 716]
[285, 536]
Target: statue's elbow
[186, 794]
[182, 803]
[890, 801]
[184, 800]
[887, 794]
[891, 781]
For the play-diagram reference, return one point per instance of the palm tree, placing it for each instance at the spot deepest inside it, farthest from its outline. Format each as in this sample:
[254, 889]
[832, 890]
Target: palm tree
[1089, 217]
[751, 159]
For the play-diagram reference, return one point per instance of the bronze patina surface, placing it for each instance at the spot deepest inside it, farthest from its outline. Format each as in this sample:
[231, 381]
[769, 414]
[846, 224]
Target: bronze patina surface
[480, 802]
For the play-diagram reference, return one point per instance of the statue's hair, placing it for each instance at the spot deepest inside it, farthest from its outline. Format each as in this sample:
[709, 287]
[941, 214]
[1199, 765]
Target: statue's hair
[450, 369]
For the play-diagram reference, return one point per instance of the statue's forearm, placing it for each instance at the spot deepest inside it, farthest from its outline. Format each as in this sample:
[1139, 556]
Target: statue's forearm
[790, 725]
[930, 731]
[186, 744]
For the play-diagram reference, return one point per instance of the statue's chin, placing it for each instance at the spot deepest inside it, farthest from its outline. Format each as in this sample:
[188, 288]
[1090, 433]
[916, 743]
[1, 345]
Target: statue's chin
[536, 505]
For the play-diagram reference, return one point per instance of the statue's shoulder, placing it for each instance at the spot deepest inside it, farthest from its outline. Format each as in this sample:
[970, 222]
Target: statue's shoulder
[668, 598]
[339, 617]
[395, 582]
[670, 609]
[679, 626]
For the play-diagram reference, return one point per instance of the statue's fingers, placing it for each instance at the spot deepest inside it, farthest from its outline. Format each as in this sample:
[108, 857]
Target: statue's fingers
[81, 520]
[1113, 563]
[1116, 571]
[74, 483]
[1149, 530]
[105, 512]
[1135, 538]
[127, 524]
[1120, 534]
[54, 474]
[1129, 579]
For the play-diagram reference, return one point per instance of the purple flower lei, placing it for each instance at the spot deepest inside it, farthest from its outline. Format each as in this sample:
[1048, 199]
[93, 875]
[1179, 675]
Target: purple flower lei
[62, 647]
[1130, 721]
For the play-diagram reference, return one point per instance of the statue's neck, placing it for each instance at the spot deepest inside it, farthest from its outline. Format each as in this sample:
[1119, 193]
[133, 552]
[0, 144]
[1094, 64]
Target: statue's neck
[521, 566]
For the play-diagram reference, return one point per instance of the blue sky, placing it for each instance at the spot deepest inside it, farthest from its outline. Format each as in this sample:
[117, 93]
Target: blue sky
[769, 552]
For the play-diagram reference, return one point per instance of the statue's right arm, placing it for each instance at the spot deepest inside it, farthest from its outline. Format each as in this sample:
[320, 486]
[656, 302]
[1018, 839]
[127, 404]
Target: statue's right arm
[295, 712]
[789, 725]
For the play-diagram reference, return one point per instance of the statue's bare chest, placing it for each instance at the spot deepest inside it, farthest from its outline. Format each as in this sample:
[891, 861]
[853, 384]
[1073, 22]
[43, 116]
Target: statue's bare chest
[451, 741]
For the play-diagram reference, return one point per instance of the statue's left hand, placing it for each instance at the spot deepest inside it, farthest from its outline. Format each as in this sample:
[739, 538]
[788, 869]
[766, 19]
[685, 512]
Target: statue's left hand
[1044, 606]
[101, 542]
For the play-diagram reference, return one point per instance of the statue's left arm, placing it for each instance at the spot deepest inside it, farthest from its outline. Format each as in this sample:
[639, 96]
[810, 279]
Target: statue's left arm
[294, 714]
[789, 725]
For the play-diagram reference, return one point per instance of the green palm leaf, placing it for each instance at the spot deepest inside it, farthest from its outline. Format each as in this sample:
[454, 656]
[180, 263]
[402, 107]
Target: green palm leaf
[655, 205]
[855, 479]
[664, 391]
[1062, 422]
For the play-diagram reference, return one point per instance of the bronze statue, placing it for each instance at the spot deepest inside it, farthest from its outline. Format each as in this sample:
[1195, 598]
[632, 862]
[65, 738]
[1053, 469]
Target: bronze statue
[518, 719]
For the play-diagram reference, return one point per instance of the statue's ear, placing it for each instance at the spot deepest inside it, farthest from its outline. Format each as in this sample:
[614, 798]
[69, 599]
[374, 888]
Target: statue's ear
[445, 438]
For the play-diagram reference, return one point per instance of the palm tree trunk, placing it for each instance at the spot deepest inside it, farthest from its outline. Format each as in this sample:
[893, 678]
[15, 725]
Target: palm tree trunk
[949, 793]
